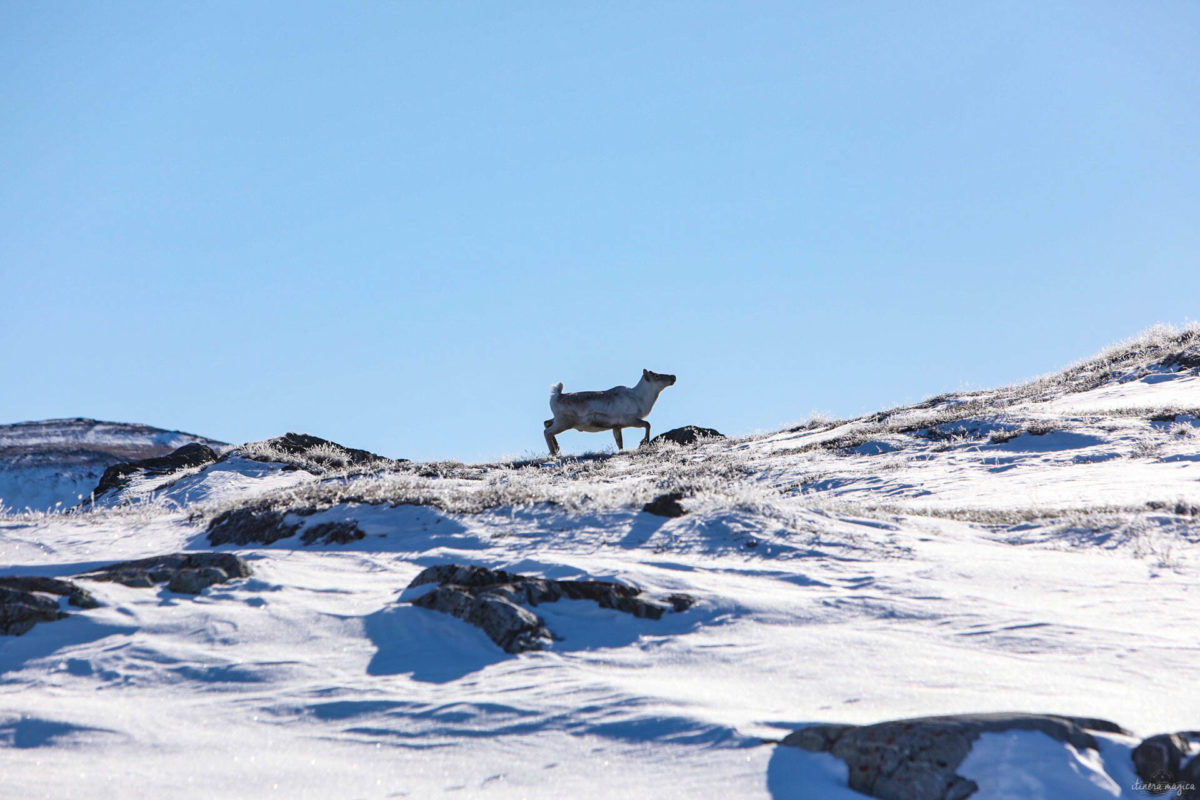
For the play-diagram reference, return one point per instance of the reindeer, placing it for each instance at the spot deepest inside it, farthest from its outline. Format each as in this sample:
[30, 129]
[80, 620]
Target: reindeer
[619, 407]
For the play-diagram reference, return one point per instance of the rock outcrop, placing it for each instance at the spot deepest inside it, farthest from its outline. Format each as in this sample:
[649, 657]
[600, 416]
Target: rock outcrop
[513, 628]
[263, 525]
[917, 759]
[342, 532]
[493, 601]
[1165, 764]
[250, 525]
[185, 573]
[26, 600]
[666, 505]
[20, 611]
[688, 434]
[312, 453]
[190, 455]
[76, 595]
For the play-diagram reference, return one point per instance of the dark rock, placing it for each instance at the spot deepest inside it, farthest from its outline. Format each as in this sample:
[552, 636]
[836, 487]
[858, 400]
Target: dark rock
[666, 505]
[186, 573]
[244, 526]
[21, 610]
[688, 434]
[194, 581]
[1162, 763]
[332, 533]
[322, 452]
[119, 475]
[463, 576]
[917, 759]
[1157, 759]
[1179, 507]
[681, 602]
[76, 595]
[23, 601]
[815, 738]
[514, 628]
[492, 600]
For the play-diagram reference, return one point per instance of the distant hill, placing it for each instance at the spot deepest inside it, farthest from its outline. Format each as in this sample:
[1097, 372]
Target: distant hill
[59, 461]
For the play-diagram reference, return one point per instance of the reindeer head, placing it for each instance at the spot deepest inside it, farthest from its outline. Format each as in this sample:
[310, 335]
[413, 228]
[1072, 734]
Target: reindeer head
[660, 378]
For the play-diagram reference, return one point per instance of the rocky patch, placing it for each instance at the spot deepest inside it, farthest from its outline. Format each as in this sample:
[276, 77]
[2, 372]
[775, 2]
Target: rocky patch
[494, 600]
[666, 505]
[1165, 765]
[312, 453]
[249, 525]
[262, 525]
[20, 611]
[332, 533]
[119, 476]
[26, 600]
[76, 595]
[917, 759]
[185, 573]
[688, 434]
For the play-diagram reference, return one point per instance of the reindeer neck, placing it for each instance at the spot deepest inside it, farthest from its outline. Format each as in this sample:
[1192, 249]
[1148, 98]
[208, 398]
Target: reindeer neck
[647, 392]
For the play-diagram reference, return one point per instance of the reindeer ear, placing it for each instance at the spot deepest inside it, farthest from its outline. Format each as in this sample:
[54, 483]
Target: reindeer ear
[645, 373]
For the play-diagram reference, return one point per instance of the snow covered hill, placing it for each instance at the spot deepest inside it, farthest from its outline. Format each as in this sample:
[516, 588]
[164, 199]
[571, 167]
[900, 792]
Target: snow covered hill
[1030, 550]
[57, 462]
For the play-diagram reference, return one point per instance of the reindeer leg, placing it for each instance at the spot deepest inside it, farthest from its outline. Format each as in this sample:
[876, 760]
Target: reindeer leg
[551, 430]
[645, 439]
[617, 436]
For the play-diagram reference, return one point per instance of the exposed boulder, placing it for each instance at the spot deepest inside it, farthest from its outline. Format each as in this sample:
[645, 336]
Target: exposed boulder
[20, 611]
[492, 600]
[118, 476]
[76, 595]
[666, 505]
[1157, 759]
[688, 434]
[917, 759]
[514, 628]
[1162, 764]
[311, 453]
[259, 524]
[332, 533]
[25, 601]
[195, 581]
[185, 573]
[249, 525]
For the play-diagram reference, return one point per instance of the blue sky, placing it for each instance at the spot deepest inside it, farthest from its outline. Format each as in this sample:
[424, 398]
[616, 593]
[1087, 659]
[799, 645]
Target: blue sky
[396, 224]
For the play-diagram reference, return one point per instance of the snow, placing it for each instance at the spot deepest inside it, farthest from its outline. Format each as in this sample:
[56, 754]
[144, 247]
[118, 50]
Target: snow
[1169, 390]
[1015, 566]
[43, 488]
[1051, 769]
